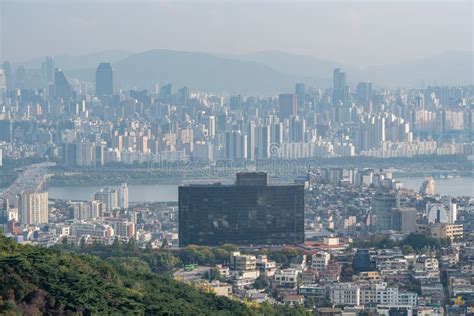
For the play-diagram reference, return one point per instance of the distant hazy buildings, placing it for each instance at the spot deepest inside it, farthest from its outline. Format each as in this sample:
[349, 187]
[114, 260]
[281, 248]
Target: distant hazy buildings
[113, 198]
[364, 95]
[62, 89]
[288, 105]
[6, 130]
[3, 87]
[247, 212]
[340, 91]
[104, 80]
[47, 69]
[300, 91]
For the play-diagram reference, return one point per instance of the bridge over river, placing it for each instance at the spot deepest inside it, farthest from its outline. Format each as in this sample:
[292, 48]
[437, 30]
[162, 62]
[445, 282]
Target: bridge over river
[31, 179]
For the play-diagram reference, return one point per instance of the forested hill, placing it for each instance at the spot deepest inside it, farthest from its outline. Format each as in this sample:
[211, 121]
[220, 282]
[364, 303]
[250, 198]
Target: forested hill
[35, 280]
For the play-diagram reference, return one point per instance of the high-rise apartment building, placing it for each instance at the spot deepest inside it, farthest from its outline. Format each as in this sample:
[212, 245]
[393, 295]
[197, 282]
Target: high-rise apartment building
[33, 208]
[123, 196]
[340, 90]
[109, 197]
[247, 212]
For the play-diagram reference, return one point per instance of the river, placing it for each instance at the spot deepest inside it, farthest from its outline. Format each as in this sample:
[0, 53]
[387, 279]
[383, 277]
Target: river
[136, 192]
[169, 192]
[450, 186]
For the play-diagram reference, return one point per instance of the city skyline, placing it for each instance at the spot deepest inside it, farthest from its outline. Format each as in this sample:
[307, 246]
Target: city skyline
[197, 157]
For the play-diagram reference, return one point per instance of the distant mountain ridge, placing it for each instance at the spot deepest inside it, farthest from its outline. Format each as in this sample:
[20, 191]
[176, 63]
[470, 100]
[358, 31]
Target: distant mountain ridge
[264, 72]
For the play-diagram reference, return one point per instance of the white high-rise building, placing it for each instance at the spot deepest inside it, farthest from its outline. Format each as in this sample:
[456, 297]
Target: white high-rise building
[123, 196]
[109, 197]
[33, 208]
[96, 209]
[445, 212]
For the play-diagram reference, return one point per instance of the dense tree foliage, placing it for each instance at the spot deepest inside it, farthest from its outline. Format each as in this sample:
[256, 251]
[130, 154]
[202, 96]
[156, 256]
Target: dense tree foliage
[36, 280]
[412, 242]
[284, 256]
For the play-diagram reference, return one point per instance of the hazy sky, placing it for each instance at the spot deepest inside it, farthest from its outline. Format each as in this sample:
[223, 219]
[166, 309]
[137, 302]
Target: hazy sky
[352, 32]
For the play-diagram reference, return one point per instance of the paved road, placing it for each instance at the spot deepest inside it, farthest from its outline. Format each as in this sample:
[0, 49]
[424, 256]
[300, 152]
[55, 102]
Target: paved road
[32, 178]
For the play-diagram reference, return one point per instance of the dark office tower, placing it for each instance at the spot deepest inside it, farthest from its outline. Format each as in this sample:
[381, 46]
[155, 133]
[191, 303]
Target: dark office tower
[247, 212]
[183, 96]
[235, 102]
[6, 131]
[288, 105]
[7, 68]
[62, 89]
[300, 91]
[339, 87]
[364, 93]
[48, 70]
[382, 205]
[104, 80]
[166, 91]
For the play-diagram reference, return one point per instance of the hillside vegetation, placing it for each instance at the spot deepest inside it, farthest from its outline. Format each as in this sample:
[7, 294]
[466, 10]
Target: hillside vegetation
[35, 280]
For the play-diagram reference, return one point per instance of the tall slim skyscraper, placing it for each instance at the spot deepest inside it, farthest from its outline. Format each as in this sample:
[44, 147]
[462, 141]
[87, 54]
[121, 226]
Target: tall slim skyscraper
[364, 93]
[123, 196]
[183, 96]
[247, 212]
[104, 82]
[339, 92]
[48, 70]
[300, 91]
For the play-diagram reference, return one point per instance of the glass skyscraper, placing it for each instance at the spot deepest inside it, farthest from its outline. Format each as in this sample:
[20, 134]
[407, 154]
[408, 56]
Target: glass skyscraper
[247, 212]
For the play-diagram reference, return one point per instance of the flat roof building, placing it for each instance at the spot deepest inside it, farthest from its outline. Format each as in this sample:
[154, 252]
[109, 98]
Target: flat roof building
[247, 212]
